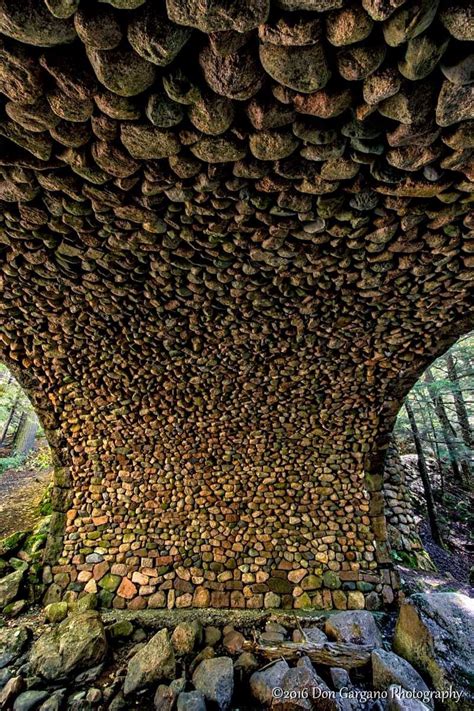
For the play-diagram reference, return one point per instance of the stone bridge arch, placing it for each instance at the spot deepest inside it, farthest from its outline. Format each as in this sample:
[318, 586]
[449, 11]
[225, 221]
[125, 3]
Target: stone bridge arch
[376, 460]
[25, 374]
[225, 234]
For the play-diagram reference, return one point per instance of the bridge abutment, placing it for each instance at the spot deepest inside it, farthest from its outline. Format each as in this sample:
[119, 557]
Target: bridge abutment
[236, 476]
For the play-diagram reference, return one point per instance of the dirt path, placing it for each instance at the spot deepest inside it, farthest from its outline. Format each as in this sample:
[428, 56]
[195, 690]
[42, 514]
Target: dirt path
[21, 492]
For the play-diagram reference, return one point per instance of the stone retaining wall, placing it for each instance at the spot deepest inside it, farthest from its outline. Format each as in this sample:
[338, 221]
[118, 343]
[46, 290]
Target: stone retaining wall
[243, 559]
[402, 521]
[244, 490]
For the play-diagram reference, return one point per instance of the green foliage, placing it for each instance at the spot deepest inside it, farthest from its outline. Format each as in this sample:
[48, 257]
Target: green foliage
[437, 424]
[434, 436]
[15, 407]
[10, 390]
[408, 560]
[11, 463]
[41, 459]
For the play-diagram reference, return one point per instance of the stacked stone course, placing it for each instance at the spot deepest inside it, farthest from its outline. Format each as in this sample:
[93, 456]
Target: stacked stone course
[401, 504]
[231, 236]
[238, 505]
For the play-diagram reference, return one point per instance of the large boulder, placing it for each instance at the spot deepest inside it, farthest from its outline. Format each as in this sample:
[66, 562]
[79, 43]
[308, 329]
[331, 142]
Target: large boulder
[29, 700]
[397, 701]
[10, 584]
[77, 643]
[191, 701]
[356, 626]
[13, 641]
[388, 669]
[153, 662]
[263, 682]
[303, 689]
[434, 632]
[214, 678]
[11, 689]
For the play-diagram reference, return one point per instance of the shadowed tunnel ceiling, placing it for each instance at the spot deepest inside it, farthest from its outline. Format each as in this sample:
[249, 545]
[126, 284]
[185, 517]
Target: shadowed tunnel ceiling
[230, 232]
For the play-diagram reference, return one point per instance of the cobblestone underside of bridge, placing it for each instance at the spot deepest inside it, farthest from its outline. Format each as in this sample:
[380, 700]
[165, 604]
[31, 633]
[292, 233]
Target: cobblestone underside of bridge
[231, 236]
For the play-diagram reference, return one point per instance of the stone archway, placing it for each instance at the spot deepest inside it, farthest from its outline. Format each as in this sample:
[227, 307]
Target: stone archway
[60, 493]
[377, 478]
[224, 238]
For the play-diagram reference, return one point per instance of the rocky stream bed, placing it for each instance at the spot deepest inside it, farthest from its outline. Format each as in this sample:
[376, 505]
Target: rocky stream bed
[71, 656]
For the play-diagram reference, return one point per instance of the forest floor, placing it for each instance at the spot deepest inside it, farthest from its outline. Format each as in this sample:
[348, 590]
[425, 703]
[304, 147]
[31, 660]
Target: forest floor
[456, 560]
[454, 512]
[21, 492]
[453, 565]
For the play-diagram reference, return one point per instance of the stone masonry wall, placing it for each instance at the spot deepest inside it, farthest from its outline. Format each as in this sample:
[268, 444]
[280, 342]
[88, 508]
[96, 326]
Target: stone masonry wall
[402, 521]
[229, 481]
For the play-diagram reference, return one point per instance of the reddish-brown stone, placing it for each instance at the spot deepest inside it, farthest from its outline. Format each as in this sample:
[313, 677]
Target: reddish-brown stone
[127, 589]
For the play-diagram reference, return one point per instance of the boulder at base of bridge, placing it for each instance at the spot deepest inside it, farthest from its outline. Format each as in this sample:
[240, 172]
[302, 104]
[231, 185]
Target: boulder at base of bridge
[434, 632]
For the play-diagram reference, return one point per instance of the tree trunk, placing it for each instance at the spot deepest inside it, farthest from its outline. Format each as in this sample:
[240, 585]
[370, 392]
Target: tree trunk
[430, 504]
[462, 417]
[9, 419]
[446, 427]
[333, 654]
[19, 425]
[439, 462]
[426, 410]
[26, 433]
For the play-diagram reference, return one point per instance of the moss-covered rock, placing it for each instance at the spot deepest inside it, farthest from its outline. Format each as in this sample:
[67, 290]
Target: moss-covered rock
[110, 582]
[434, 632]
[122, 629]
[87, 601]
[56, 611]
[12, 543]
[77, 643]
[331, 580]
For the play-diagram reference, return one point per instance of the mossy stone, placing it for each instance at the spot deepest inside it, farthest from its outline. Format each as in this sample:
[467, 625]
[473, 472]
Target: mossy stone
[312, 582]
[35, 542]
[105, 598]
[84, 603]
[121, 629]
[56, 611]
[279, 585]
[110, 582]
[13, 542]
[331, 580]
[303, 602]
